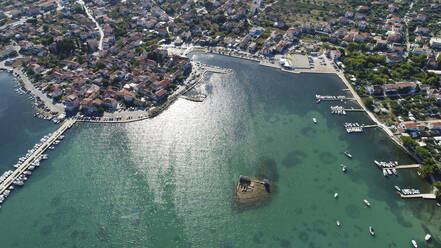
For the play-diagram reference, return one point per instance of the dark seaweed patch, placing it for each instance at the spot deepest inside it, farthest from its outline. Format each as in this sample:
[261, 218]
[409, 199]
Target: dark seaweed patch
[267, 168]
[293, 158]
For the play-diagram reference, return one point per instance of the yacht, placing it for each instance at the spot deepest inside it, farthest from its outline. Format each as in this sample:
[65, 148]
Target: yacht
[367, 203]
[414, 243]
[371, 230]
[314, 120]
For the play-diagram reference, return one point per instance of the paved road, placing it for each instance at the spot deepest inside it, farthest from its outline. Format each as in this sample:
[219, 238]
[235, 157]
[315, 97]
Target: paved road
[89, 14]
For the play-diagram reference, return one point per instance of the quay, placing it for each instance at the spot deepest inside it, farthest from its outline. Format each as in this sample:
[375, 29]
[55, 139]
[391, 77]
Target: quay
[424, 196]
[24, 166]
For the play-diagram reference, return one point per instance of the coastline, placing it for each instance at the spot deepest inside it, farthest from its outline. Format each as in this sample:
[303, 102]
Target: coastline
[345, 81]
[139, 115]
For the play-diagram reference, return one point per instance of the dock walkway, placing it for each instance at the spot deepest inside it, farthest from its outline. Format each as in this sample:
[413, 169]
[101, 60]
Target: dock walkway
[24, 166]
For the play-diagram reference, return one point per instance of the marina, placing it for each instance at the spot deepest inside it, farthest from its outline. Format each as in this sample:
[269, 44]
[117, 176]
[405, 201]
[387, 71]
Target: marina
[32, 159]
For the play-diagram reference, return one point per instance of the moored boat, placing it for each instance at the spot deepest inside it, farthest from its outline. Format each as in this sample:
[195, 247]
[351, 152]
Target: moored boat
[348, 154]
[345, 168]
[384, 172]
[414, 243]
[314, 120]
[338, 223]
[371, 230]
[367, 203]
[428, 237]
[394, 171]
[397, 188]
[335, 195]
[389, 172]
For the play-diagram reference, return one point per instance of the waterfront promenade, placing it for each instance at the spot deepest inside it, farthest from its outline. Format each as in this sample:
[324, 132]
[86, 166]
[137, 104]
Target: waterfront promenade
[25, 165]
[138, 115]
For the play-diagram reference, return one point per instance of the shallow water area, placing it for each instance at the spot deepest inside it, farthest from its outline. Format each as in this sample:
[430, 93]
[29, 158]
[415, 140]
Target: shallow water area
[169, 181]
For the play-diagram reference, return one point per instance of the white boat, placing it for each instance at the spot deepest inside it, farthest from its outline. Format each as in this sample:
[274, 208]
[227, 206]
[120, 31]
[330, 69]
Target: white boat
[314, 120]
[338, 223]
[348, 154]
[414, 243]
[377, 163]
[389, 172]
[335, 195]
[428, 237]
[394, 171]
[371, 230]
[367, 203]
[384, 172]
[397, 188]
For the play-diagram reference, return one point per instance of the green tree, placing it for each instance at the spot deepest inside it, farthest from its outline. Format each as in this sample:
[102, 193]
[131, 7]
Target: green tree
[408, 142]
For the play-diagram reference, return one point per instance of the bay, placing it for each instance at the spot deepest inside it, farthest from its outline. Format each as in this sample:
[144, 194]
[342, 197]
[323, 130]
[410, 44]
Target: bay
[169, 181]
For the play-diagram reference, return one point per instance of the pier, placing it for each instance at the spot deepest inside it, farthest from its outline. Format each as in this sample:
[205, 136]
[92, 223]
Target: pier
[354, 110]
[409, 166]
[216, 69]
[424, 196]
[37, 153]
[193, 99]
[320, 98]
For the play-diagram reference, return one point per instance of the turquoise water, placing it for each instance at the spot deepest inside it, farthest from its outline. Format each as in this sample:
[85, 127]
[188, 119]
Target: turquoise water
[169, 181]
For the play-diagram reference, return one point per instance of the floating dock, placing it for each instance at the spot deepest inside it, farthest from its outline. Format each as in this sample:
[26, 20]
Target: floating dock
[25, 165]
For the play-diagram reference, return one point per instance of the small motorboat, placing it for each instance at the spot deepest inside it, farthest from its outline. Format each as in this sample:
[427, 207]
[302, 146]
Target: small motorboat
[367, 203]
[348, 154]
[314, 120]
[414, 243]
[384, 172]
[338, 223]
[428, 237]
[371, 230]
[397, 188]
[335, 195]
[377, 163]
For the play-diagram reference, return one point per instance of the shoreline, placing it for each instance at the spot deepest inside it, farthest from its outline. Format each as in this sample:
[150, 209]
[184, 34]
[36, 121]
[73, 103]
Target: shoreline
[143, 114]
[349, 87]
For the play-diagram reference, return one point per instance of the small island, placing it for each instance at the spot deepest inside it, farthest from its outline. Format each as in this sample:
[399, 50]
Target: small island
[250, 191]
